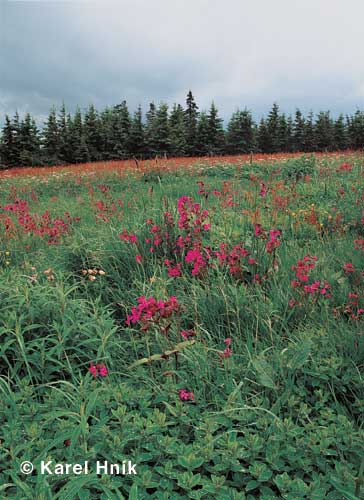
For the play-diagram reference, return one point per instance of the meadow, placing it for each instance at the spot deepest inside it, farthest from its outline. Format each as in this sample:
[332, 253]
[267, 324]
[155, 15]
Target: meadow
[203, 319]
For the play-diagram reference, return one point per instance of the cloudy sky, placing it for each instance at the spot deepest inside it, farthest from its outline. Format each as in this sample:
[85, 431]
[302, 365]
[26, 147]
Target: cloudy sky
[305, 53]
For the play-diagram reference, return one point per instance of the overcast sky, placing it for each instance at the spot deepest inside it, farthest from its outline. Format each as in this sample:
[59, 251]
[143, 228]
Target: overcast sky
[305, 53]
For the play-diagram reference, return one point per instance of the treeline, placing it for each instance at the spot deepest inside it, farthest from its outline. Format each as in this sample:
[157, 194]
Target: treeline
[115, 133]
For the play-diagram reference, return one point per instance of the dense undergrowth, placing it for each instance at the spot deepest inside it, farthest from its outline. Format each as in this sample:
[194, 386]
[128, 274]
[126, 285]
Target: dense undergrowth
[207, 325]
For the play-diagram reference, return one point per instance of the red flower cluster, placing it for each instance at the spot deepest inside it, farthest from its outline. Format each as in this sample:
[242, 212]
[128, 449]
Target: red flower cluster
[99, 369]
[150, 311]
[185, 395]
[131, 238]
[302, 270]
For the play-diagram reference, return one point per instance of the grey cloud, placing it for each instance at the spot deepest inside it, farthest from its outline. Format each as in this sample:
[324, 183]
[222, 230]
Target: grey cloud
[237, 53]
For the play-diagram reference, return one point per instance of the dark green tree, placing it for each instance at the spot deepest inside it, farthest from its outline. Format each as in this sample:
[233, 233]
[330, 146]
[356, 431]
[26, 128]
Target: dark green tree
[216, 139]
[324, 131]
[178, 142]
[203, 134]
[50, 139]
[299, 132]
[29, 142]
[92, 133]
[340, 134]
[137, 134]
[163, 143]
[191, 120]
[8, 149]
[309, 134]
[263, 137]
[240, 133]
[151, 130]
[272, 124]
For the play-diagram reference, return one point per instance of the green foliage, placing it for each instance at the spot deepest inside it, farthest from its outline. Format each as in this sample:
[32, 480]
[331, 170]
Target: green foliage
[281, 417]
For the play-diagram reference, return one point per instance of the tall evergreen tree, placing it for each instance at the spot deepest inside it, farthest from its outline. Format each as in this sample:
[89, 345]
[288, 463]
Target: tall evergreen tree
[263, 137]
[272, 124]
[8, 147]
[203, 134]
[216, 140]
[163, 142]
[79, 146]
[299, 132]
[340, 135]
[324, 131]
[240, 133]
[355, 128]
[63, 135]
[122, 129]
[137, 134]
[92, 133]
[29, 142]
[309, 139]
[178, 142]
[50, 139]
[151, 130]
[191, 119]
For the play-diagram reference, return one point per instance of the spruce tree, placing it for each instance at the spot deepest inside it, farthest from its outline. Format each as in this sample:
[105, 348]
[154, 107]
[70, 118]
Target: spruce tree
[340, 135]
[163, 143]
[299, 132]
[216, 139]
[240, 133]
[50, 139]
[355, 128]
[203, 134]
[309, 139]
[122, 130]
[178, 143]
[151, 131]
[92, 133]
[191, 120]
[29, 142]
[324, 131]
[8, 149]
[63, 135]
[137, 133]
[79, 146]
[263, 137]
[272, 124]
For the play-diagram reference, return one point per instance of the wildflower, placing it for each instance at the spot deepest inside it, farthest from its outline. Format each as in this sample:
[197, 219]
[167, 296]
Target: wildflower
[103, 371]
[227, 353]
[348, 268]
[227, 342]
[185, 395]
[263, 190]
[187, 334]
[93, 370]
[138, 259]
[99, 369]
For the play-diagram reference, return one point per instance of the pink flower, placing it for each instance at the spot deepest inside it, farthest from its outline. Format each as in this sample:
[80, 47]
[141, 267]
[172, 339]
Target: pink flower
[349, 268]
[227, 352]
[227, 342]
[185, 395]
[93, 370]
[99, 369]
[263, 190]
[103, 371]
[258, 230]
[138, 258]
[187, 334]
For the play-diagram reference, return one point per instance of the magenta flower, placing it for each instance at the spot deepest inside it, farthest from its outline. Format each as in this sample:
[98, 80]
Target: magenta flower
[185, 395]
[93, 370]
[99, 369]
